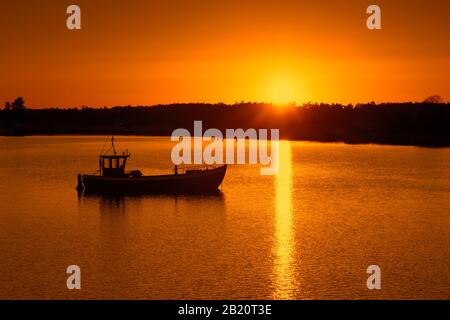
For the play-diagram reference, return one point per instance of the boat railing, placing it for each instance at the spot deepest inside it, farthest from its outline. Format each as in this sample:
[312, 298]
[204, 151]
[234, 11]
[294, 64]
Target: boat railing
[183, 169]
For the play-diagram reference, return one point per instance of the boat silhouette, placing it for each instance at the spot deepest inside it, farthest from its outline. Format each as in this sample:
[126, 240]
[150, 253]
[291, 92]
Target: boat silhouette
[113, 178]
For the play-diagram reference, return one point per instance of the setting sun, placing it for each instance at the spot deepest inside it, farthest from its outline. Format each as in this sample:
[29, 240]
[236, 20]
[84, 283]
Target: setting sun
[283, 89]
[282, 93]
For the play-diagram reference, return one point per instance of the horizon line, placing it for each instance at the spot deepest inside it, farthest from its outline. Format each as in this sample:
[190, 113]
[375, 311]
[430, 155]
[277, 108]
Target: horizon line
[274, 104]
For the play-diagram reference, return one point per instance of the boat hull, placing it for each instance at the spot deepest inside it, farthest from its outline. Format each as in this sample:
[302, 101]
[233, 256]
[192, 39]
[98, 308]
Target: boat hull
[207, 181]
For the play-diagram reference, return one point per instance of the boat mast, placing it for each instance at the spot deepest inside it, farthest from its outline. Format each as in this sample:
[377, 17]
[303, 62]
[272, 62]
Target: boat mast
[113, 146]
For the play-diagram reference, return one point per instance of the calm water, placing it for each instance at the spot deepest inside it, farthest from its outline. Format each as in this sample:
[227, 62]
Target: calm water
[308, 233]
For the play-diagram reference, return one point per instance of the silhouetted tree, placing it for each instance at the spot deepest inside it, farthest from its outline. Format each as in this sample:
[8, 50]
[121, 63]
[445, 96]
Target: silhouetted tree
[18, 104]
[434, 99]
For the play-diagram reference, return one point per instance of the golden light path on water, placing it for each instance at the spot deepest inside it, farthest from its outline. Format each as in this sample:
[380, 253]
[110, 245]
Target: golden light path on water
[284, 280]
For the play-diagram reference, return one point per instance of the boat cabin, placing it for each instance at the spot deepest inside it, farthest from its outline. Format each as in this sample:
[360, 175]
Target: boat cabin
[113, 165]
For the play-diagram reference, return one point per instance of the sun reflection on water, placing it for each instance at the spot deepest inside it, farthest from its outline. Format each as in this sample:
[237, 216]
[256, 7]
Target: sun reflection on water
[284, 280]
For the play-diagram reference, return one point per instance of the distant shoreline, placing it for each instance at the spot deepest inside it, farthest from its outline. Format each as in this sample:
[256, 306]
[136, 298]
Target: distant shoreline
[407, 124]
[382, 142]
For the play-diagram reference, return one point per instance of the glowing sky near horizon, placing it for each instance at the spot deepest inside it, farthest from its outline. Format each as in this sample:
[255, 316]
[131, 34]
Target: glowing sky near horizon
[150, 52]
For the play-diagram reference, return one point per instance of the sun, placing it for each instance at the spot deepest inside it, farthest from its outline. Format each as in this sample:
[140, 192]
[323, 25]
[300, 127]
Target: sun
[283, 93]
[283, 89]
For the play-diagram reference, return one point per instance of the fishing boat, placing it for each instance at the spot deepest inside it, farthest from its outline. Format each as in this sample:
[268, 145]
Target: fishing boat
[112, 177]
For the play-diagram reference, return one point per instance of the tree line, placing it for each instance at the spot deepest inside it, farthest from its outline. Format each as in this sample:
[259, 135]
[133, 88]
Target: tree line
[426, 123]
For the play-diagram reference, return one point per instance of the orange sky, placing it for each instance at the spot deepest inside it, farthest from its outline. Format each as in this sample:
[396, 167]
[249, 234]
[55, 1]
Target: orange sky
[149, 52]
